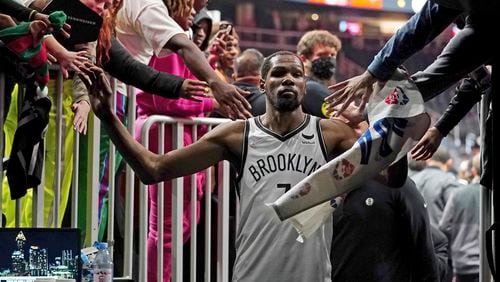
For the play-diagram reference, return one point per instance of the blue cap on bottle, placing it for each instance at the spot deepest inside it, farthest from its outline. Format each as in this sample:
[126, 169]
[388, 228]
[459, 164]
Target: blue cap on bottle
[84, 258]
[100, 245]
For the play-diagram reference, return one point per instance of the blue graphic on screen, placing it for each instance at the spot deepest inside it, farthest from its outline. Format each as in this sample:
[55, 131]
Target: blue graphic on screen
[40, 252]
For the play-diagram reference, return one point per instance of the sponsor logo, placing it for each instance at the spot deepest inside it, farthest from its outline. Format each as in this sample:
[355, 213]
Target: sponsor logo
[397, 97]
[308, 137]
[308, 140]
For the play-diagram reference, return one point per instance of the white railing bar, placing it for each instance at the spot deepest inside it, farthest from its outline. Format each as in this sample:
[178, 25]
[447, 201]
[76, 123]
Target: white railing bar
[111, 180]
[143, 219]
[38, 199]
[177, 209]
[223, 223]
[208, 225]
[160, 208]
[59, 145]
[194, 222]
[129, 199]
[74, 182]
[197, 120]
[92, 215]
[208, 221]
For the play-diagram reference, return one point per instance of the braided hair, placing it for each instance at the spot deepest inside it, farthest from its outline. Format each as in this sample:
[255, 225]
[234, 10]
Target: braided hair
[180, 8]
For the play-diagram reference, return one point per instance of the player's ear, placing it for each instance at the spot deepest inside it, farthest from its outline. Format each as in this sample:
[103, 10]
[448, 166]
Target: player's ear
[262, 83]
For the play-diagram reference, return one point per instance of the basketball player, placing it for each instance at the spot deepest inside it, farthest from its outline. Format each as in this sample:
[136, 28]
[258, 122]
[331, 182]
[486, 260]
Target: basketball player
[273, 152]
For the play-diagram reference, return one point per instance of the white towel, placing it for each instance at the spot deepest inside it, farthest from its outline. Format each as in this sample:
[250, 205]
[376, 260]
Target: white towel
[397, 121]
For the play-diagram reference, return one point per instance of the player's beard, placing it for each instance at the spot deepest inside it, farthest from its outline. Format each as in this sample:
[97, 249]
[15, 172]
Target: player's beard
[286, 104]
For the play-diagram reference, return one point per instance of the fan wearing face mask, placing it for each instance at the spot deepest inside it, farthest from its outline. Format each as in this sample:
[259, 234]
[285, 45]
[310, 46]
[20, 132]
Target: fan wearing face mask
[318, 50]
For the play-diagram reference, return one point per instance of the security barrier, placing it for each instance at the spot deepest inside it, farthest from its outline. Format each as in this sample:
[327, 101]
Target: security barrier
[91, 225]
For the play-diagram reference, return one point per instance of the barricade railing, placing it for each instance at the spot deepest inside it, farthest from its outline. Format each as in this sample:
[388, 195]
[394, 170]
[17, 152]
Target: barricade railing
[178, 125]
[91, 208]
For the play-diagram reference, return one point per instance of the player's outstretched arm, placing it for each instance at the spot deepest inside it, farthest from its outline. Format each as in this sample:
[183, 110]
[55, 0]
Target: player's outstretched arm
[150, 167]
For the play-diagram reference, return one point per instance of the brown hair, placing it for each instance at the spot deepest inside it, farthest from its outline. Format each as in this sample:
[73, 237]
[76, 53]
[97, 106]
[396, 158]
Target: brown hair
[317, 37]
[107, 32]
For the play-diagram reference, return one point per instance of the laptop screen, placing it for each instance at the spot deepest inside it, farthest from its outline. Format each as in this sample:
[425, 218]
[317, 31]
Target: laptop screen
[39, 252]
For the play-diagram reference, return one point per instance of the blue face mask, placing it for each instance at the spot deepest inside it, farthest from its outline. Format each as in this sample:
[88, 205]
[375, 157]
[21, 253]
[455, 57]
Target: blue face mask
[324, 67]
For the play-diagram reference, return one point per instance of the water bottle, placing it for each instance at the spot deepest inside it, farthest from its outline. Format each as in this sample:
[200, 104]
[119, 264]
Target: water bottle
[103, 264]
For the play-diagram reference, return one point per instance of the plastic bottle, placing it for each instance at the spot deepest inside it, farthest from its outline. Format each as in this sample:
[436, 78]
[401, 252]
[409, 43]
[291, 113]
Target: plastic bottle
[103, 264]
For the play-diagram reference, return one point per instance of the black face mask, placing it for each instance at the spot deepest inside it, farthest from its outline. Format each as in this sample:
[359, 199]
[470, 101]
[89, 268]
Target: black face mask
[324, 67]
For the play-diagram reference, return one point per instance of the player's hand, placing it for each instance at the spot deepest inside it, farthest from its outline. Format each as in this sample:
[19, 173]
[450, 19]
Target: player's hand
[427, 145]
[347, 91]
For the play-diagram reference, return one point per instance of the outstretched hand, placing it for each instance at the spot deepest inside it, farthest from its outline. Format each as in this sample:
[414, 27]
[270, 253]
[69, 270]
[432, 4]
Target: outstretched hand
[194, 89]
[427, 145]
[348, 91]
[352, 114]
[69, 60]
[81, 110]
[232, 100]
[99, 88]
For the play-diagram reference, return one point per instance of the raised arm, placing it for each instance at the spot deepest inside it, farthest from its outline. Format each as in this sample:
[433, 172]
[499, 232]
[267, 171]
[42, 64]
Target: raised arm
[221, 143]
[418, 31]
[125, 68]
[229, 97]
[467, 94]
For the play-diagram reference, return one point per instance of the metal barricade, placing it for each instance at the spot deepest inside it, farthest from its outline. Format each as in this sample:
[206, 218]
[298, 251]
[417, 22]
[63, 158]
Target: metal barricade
[177, 208]
[91, 206]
